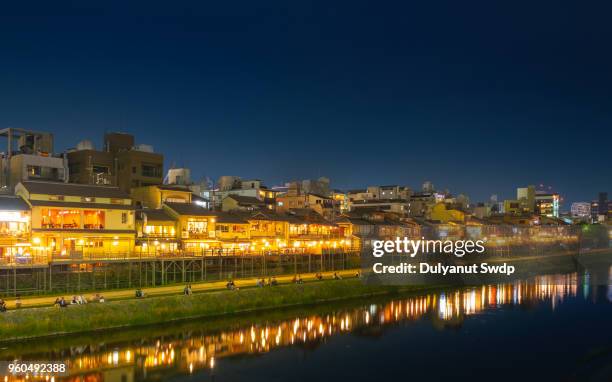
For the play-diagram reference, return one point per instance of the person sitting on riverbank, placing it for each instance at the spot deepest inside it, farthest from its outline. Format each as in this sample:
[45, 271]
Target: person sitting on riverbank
[187, 290]
[337, 276]
[101, 298]
[63, 303]
[74, 300]
[139, 293]
[82, 300]
[2, 305]
[260, 283]
[18, 302]
[319, 276]
[230, 285]
[298, 280]
[274, 282]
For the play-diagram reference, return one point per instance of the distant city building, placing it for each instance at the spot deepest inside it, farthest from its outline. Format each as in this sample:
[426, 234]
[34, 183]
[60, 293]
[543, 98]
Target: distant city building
[427, 187]
[320, 186]
[120, 163]
[234, 185]
[547, 204]
[581, 209]
[601, 208]
[178, 176]
[527, 198]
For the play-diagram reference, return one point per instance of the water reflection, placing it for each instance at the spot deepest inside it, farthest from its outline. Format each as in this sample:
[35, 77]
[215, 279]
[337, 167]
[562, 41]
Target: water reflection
[190, 351]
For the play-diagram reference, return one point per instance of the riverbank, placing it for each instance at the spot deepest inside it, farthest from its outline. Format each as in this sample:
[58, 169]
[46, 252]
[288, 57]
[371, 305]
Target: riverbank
[168, 290]
[54, 321]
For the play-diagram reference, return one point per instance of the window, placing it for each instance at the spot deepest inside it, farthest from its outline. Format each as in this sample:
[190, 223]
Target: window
[100, 169]
[93, 219]
[124, 218]
[116, 201]
[56, 197]
[134, 170]
[151, 170]
[55, 218]
[197, 226]
[45, 173]
[222, 228]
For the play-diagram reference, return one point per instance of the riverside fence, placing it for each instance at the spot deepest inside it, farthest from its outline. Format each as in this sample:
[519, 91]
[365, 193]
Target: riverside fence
[90, 273]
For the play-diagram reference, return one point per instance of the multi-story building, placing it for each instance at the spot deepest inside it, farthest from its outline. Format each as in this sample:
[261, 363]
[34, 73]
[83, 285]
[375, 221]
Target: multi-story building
[323, 205]
[320, 186]
[156, 232]
[581, 209]
[154, 197]
[70, 220]
[233, 185]
[547, 204]
[601, 209]
[241, 203]
[30, 158]
[120, 163]
[195, 225]
[341, 199]
[420, 203]
[526, 199]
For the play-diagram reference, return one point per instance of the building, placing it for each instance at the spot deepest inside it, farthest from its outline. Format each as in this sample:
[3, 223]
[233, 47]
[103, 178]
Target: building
[547, 204]
[15, 218]
[420, 203]
[581, 210]
[195, 226]
[241, 203]
[601, 208]
[321, 204]
[154, 197]
[178, 176]
[30, 158]
[341, 199]
[233, 185]
[441, 213]
[120, 163]
[76, 221]
[320, 186]
[526, 198]
[512, 207]
[156, 232]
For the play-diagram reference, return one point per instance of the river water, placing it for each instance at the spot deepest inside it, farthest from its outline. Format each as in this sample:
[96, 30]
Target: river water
[548, 328]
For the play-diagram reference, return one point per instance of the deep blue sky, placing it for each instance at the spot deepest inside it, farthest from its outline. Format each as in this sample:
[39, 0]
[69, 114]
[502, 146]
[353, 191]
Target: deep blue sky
[478, 97]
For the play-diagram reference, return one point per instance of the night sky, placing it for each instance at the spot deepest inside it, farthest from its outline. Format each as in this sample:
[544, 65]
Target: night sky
[479, 98]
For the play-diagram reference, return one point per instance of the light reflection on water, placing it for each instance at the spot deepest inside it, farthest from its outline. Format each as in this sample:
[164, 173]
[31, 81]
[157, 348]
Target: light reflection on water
[186, 353]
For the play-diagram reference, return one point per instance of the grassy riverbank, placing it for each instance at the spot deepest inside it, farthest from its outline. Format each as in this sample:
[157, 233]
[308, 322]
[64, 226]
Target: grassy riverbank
[38, 322]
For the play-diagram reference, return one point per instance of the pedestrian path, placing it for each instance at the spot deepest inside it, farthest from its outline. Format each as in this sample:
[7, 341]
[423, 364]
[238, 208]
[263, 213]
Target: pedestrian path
[110, 295]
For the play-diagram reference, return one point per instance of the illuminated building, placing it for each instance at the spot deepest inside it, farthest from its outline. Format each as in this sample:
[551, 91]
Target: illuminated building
[547, 204]
[14, 231]
[581, 209]
[79, 220]
[156, 232]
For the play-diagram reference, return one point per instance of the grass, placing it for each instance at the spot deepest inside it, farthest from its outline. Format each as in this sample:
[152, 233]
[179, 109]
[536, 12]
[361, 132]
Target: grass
[49, 321]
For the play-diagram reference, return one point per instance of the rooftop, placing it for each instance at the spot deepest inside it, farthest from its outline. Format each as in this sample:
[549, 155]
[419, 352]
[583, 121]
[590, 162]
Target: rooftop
[70, 189]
